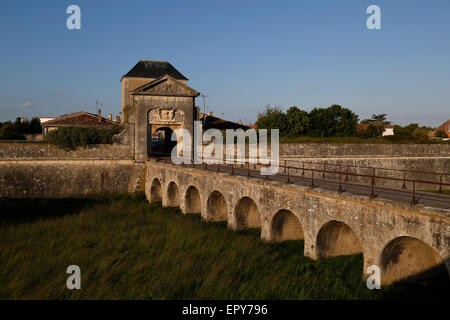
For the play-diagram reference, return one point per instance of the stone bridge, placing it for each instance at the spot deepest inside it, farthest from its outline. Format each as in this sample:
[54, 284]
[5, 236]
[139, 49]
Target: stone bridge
[404, 241]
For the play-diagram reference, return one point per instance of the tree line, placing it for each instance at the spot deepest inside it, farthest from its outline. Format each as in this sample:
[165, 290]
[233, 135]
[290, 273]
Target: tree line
[334, 121]
[16, 130]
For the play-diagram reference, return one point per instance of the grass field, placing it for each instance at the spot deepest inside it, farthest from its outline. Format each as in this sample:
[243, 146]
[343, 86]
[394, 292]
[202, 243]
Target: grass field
[130, 249]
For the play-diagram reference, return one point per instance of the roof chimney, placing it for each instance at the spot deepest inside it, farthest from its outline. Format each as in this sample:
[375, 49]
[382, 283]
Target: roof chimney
[109, 116]
[99, 115]
[211, 113]
[117, 119]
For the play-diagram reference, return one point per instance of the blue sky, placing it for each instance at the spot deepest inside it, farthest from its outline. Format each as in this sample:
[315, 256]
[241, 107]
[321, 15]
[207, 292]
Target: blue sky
[243, 54]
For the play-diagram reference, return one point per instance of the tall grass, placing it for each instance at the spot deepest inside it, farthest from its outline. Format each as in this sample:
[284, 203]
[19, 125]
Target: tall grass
[130, 249]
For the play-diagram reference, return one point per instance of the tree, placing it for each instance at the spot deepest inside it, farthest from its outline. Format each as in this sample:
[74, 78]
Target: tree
[406, 131]
[380, 118]
[332, 121]
[377, 119]
[421, 133]
[297, 121]
[374, 131]
[272, 118]
[35, 126]
[9, 131]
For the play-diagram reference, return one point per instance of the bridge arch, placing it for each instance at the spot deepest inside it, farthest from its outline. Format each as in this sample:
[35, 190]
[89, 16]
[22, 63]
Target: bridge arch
[335, 238]
[247, 214]
[155, 190]
[410, 259]
[216, 207]
[173, 195]
[285, 226]
[192, 200]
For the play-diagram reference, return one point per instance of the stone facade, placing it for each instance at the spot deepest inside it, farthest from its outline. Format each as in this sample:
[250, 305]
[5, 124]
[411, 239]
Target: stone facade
[153, 112]
[39, 170]
[44, 151]
[155, 97]
[63, 178]
[361, 150]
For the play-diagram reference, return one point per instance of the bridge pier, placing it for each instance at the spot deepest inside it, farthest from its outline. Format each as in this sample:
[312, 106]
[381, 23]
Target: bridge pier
[310, 249]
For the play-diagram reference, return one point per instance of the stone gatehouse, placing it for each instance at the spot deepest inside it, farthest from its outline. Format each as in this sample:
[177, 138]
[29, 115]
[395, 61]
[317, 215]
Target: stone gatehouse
[155, 98]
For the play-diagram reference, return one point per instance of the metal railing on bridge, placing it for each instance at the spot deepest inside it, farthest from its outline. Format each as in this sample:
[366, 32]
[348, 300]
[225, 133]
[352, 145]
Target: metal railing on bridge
[291, 172]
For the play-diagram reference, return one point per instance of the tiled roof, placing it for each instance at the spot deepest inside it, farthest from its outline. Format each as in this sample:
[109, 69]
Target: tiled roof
[221, 124]
[445, 127]
[154, 69]
[80, 119]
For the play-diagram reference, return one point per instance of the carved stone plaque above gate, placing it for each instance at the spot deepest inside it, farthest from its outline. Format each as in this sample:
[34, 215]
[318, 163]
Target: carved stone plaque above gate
[165, 115]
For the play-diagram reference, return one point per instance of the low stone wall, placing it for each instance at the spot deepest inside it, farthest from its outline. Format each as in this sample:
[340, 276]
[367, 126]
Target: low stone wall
[324, 150]
[393, 158]
[35, 151]
[62, 178]
[11, 150]
[364, 167]
[355, 150]
[43, 170]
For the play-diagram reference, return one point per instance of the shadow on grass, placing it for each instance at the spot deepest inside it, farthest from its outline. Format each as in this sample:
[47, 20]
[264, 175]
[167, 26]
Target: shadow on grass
[430, 284]
[22, 210]
[252, 232]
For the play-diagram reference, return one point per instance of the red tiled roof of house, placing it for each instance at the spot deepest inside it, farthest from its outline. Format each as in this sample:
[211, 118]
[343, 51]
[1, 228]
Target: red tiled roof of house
[79, 119]
[444, 127]
[364, 126]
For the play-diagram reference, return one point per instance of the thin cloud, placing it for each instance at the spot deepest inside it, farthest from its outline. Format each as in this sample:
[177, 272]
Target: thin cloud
[27, 105]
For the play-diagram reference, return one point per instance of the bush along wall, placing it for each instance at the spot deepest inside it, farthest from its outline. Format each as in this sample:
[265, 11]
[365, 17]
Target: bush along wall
[73, 137]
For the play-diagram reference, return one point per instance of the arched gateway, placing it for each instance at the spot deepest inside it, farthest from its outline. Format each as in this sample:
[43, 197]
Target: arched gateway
[155, 102]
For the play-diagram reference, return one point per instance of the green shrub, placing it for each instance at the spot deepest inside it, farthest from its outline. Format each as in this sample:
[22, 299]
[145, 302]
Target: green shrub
[373, 131]
[26, 126]
[9, 131]
[15, 130]
[420, 133]
[441, 134]
[406, 131]
[73, 137]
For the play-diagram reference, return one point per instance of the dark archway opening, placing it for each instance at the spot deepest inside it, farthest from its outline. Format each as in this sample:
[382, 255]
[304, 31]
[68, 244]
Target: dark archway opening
[337, 239]
[160, 142]
[156, 191]
[410, 260]
[286, 226]
[173, 195]
[192, 202]
[216, 207]
[247, 214]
